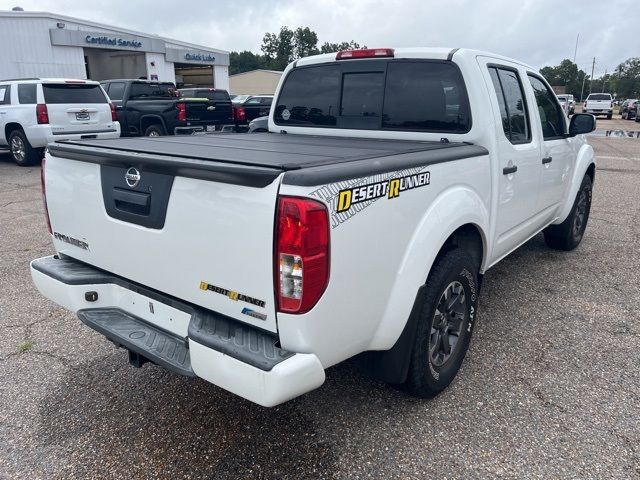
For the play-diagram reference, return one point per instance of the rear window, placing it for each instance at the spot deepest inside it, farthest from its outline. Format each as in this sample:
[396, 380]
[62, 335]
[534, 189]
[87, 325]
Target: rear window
[219, 95]
[27, 93]
[73, 93]
[599, 96]
[151, 90]
[427, 96]
[116, 90]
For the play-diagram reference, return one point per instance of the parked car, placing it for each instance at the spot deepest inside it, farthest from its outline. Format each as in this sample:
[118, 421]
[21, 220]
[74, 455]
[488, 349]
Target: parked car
[257, 261]
[570, 103]
[259, 125]
[629, 109]
[599, 104]
[155, 108]
[246, 108]
[219, 102]
[34, 112]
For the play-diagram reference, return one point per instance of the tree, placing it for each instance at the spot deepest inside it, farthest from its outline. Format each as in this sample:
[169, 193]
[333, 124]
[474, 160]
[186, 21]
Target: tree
[566, 75]
[246, 61]
[336, 47]
[626, 81]
[305, 42]
[280, 49]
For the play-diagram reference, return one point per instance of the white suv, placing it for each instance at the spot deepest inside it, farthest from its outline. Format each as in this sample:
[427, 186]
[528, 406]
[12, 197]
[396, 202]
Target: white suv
[34, 112]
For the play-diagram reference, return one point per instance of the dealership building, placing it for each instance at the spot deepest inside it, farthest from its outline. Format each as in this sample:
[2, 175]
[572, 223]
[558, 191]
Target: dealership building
[47, 45]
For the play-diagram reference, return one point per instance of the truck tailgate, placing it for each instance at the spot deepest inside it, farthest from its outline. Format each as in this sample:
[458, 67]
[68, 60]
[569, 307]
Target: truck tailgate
[213, 247]
[208, 111]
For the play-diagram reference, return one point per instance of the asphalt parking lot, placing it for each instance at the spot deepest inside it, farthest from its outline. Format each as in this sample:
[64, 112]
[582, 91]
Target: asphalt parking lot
[550, 387]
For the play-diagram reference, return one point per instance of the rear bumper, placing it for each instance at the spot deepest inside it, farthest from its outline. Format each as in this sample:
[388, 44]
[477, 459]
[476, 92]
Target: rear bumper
[41, 135]
[178, 336]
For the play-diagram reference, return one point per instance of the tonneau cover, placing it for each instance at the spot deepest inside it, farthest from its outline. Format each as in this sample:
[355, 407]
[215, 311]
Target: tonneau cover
[268, 153]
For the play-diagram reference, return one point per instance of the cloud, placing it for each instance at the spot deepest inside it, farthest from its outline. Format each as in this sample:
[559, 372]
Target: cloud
[538, 32]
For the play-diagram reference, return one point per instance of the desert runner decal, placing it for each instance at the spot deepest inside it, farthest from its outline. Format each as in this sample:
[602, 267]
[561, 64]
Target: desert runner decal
[235, 296]
[71, 241]
[348, 198]
[371, 191]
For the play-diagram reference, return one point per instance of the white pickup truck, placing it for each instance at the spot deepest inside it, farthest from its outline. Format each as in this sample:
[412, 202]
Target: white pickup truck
[360, 226]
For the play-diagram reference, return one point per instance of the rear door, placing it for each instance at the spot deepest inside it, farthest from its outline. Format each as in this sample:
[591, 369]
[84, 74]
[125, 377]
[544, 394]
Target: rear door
[76, 107]
[518, 151]
[4, 100]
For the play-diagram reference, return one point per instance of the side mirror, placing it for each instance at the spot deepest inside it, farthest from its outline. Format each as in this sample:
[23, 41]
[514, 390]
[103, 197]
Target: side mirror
[582, 123]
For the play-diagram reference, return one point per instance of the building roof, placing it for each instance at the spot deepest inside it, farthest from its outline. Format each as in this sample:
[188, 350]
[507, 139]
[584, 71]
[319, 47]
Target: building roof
[275, 72]
[64, 18]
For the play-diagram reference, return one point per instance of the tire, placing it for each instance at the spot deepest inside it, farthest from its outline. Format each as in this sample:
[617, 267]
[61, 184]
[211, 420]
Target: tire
[431, 369]
[568, 235]
[21, 150]
[609, 116]
[155, 130]
[637, 118]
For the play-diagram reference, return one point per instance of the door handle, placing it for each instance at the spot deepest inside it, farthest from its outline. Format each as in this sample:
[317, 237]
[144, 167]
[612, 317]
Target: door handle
[508, 170]
[547, 160]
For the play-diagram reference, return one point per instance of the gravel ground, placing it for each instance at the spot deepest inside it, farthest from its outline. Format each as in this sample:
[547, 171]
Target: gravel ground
[550, 387]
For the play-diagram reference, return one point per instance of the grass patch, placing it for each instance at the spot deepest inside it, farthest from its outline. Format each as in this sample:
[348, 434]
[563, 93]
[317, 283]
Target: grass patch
[25, 346]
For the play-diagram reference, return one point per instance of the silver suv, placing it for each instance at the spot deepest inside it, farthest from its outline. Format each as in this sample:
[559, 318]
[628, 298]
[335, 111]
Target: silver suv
[34, 112]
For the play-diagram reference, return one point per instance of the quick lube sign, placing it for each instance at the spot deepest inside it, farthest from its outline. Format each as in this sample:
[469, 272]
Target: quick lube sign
[112, 42]
[199, 57]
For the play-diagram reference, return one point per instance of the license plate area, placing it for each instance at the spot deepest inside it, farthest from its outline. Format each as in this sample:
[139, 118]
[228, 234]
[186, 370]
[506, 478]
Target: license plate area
[83, 116]
[211, 128]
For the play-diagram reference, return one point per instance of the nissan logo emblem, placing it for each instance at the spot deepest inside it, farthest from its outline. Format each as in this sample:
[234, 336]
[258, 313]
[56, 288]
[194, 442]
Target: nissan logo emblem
[132, 177]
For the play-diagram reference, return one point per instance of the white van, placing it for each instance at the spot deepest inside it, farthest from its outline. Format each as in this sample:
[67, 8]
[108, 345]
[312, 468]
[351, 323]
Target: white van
[34, 112]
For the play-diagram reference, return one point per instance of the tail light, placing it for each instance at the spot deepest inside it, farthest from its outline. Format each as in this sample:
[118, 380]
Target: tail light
[182, 111]
[42, 114]
[302, 253]
[44, 196]
[365, 53]
[114, 114]
[239, 114]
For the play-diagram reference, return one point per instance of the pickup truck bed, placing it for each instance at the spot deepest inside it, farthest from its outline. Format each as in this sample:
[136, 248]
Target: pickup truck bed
[257, 159]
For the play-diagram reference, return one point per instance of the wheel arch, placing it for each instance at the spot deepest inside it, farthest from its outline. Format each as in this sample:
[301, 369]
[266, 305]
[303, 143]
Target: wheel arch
[585, 165]
[147, 120]
[10, 127]
[461, 219]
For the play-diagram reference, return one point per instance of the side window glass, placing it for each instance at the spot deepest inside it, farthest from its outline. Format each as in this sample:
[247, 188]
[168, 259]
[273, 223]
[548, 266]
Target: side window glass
[116, 91]
[267, 100]
[27, 93]
[551, 115]
[513, 108]
[501, 104]
[4, 94]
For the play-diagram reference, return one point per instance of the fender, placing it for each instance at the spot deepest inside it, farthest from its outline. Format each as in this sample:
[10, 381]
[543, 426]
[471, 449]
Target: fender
[155, 117]
[454, 207]
[585, 158]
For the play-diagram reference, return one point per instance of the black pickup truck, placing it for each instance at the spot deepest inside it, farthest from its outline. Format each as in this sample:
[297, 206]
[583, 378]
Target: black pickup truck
[155, 108]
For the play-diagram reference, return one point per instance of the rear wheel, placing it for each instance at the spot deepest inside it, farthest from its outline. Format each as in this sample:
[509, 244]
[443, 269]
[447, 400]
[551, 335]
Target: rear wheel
[609, 116]
[569, 233]
[155, 130]
[21, 150]
[445, 325]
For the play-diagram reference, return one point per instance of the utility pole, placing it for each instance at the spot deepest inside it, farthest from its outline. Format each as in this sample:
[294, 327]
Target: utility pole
[593, 66]
[575, 52]
[584, 77]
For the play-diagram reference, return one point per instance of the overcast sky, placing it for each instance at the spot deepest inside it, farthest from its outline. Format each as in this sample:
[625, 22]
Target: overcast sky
[538, 32]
